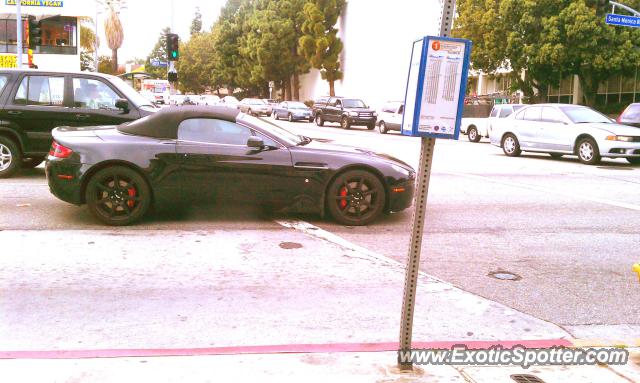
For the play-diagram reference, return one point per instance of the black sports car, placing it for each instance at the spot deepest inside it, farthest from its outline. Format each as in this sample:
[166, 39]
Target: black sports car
[197, 153]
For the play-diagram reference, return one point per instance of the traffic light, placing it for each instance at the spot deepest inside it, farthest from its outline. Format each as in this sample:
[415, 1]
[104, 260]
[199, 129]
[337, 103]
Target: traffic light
[35, 33]
[172, 76]
[173, 45]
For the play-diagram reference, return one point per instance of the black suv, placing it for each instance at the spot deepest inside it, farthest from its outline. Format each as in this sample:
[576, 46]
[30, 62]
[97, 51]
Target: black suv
[346, 111]
[33, 102]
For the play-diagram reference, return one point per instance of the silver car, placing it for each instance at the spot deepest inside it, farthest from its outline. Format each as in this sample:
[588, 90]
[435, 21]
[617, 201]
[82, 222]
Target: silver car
[563, 129]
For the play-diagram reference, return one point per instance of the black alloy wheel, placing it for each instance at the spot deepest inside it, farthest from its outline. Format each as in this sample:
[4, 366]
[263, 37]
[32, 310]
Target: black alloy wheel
[10, 157]
[344, 123]
[356, 198]
[30, 163]
[118, 196]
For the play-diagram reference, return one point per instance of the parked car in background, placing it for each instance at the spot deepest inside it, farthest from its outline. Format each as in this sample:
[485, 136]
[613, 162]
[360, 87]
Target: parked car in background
[390, 116]
[34, 102]
[292, 111]
[347, 112]
[271, 101]
[318, 104]
[564, 129]
[208, 99]
[476, 128]
[630, 116]
[255, 107]
[229, 102]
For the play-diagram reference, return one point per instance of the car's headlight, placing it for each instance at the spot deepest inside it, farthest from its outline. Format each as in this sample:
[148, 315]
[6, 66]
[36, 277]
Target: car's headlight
[375, 114]
[620, 138]
[354, 114]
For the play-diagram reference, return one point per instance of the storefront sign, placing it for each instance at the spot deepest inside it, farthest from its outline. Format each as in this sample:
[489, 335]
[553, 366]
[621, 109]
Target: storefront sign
[8, 61]
[36, 3]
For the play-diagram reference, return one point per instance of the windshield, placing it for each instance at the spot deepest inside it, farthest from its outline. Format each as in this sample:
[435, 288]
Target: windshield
[632, 113]
[134, 97]
[282, 134]
[297, 105]
[347, 103]
[582, 115]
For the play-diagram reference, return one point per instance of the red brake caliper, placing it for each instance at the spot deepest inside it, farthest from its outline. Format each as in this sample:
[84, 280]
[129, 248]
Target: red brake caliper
[343, 202]
[132, 193]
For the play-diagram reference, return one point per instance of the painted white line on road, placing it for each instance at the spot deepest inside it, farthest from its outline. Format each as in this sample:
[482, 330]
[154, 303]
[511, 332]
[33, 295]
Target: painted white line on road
[518, 185]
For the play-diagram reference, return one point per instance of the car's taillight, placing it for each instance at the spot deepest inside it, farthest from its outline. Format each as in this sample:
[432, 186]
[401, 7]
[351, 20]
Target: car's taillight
[59, 151]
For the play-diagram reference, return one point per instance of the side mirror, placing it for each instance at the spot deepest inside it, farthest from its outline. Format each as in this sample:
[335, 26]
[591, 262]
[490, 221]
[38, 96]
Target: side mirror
[255, 142]
[123, 104]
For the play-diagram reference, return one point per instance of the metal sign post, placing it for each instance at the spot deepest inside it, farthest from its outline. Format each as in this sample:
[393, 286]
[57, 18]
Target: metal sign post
[428, 130]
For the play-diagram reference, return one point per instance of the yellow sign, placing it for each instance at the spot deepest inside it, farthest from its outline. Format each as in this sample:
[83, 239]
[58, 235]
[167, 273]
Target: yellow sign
[8, 61]
[36, 3]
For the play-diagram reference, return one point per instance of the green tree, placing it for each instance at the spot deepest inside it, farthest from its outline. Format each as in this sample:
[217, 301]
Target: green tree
[158, 53]
[105, 65]
[319, 43]
[197, 65]
[88, 44]
[196, 23]
[227, 37]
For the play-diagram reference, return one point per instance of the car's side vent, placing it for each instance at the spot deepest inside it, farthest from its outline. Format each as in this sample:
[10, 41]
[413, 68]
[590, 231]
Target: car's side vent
[525, 378]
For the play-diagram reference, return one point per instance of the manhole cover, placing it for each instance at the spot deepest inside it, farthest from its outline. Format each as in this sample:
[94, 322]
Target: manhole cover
[523, 378]
[504, 275]
[290, 245]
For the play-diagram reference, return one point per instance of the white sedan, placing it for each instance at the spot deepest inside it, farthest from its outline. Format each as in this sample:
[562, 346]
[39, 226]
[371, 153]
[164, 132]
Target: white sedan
[562, 129]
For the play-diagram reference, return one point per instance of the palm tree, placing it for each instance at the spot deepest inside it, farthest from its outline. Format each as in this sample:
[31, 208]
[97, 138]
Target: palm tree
[113, 30]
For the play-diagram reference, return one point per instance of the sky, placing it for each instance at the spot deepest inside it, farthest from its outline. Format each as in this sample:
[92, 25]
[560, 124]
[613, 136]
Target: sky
[143, 21]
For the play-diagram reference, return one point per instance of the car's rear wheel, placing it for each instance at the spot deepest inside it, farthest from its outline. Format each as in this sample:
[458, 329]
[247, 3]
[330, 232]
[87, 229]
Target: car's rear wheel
[319, 120]
[511, 146]
[382, 128]
[30, 163]
[10, 157]
[634, 161]
[290, 117]
[588, 152]
[275, 115]
[472, 134]
[118, 196]
[344, 123]
[355, 198]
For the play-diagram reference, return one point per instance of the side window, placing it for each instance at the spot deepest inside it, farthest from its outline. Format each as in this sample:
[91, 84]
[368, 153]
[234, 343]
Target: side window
[505, 112]
[551, 115]
[212, 131]
[3, 82]
[494, 112]
[93, 94]
[532, 114]
[267, 141]
[388, 108]
[338, 104]
[40, 90]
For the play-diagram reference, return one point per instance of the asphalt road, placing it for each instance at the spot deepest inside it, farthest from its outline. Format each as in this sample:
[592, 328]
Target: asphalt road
[568, 231]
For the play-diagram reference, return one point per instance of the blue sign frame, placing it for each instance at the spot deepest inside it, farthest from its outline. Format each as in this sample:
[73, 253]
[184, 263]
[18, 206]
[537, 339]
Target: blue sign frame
[414, 92]
[622, 20]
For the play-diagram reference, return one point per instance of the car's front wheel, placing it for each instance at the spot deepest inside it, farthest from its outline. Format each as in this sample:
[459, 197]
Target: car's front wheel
[10, 157]
[588, 152]
[511, 146]
[371, 126]
[472, 134]
[344, 123]
[319, 120]
[118, 196]
[382, 128]
[355, 198]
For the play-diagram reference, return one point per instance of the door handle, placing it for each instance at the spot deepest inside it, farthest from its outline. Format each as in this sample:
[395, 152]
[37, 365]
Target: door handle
[82, 116]
[14, 112]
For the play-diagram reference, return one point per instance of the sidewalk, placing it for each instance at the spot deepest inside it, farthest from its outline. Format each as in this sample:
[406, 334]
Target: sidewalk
[281, 304]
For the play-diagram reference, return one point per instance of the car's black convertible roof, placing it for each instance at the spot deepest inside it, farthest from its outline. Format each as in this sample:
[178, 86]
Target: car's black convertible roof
[164, 123]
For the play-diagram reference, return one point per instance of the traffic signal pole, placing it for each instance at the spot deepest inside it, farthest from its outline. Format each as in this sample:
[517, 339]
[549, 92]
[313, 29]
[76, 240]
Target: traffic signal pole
[422, 190]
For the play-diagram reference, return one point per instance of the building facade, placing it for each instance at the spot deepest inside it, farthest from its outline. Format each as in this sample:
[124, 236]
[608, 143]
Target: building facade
[59, 24]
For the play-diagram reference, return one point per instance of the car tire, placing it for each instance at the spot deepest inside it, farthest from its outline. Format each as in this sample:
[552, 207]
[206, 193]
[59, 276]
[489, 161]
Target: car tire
[276, 116]
[250, 112]
[588, 152]
[556, 155]
[290, 117]
[344, 123]
[382, 128]
[118, 196]
[371, 126]
[472, 134]
[10, 157]
[30, 163]
[310, 119]
[511, 146]
[355, 198]
[634, 161]
[319, 120]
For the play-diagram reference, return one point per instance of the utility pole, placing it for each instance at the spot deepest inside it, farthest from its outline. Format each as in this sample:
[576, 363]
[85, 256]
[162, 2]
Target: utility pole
[19, 27]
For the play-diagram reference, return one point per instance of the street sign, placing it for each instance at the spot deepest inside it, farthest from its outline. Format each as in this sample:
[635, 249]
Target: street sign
[158, 63]
[272, 84]
[625, 21]
[8, 61]
[436, 86]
